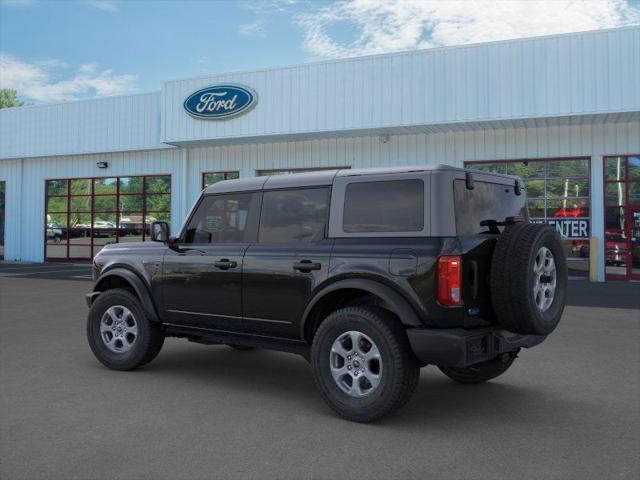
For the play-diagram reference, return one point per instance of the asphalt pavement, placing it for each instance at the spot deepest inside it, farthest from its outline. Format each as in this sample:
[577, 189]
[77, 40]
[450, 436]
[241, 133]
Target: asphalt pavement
[569, 408]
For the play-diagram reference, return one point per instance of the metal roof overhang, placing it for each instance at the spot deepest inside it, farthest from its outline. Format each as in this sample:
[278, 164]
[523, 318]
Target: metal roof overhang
[459, 126]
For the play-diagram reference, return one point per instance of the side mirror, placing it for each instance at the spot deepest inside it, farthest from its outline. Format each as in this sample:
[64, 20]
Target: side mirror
[160, 232]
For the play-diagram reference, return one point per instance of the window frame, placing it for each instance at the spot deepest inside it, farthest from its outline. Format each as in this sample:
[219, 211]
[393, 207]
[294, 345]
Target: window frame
[226, 174]
[309, 187]
[627, 207]
[93, 247]
[338, 196]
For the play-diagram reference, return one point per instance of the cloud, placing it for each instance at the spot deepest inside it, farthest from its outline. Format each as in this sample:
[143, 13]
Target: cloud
[51, 63]
[252, 29]
[36, 81]
[269, 6]
[104, 5]
[264, 10]
[388, 25]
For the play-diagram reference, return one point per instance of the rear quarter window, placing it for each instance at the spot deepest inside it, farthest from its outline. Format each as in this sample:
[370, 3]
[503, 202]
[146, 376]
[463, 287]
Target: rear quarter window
[487, 201]
[384, 206]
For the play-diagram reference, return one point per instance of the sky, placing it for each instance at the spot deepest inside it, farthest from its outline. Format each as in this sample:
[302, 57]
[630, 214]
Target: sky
[52, 51]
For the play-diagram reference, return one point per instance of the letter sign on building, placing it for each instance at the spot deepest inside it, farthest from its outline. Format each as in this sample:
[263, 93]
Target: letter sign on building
[219, 102]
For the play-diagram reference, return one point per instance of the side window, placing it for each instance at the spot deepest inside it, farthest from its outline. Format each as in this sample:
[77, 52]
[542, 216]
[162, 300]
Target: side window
[229, 218]
[294, 216]
[384, 206]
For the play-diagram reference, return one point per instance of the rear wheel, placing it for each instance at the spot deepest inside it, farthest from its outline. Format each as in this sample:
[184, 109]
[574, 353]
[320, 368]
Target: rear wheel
[119, 332]
[480, 372]
[363, 364]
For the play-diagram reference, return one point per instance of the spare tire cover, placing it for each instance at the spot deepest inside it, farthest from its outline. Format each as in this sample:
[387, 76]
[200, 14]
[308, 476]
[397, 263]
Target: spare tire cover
[529, 279]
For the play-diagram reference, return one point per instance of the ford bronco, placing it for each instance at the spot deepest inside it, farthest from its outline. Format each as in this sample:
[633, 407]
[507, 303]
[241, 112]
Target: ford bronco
[369, 274]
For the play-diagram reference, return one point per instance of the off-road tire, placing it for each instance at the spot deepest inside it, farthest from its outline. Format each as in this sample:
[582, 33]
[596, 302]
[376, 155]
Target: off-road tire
[512, 279]
[149, 339]
[481, 372]
[400, 373]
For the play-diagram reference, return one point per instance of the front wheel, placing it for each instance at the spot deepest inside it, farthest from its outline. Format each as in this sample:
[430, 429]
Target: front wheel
[119, 332]
[363, 364]
[480, 372]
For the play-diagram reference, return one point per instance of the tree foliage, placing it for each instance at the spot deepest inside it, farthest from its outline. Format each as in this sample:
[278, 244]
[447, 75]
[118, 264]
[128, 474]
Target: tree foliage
[8, 98]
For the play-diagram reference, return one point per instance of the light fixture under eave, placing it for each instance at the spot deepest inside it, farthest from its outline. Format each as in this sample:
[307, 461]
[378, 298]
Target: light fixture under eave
[102, 164]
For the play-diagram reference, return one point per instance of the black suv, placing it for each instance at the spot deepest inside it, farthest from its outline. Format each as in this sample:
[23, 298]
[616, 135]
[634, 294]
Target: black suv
[369, 274]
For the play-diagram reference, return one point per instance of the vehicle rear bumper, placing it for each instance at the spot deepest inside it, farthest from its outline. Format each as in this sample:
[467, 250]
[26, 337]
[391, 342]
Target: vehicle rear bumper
[457, 347]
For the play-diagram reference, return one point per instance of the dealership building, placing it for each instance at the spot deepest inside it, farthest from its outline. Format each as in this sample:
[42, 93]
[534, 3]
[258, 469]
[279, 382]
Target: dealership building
[561, 111]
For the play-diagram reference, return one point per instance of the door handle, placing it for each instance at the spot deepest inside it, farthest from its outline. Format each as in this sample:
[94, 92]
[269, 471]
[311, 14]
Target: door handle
[306, 266]
[225, 264]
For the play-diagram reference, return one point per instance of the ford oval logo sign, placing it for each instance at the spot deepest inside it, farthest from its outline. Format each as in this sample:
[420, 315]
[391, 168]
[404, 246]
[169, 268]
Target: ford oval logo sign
[220, 101]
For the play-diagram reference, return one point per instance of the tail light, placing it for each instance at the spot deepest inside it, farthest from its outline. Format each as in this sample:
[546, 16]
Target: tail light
[449, 280]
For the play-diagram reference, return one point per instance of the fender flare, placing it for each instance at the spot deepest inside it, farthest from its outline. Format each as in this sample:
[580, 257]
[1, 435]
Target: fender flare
[138, 285]
[397, 303]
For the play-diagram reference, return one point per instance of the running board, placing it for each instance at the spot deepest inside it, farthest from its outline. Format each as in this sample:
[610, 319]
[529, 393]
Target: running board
[209, 336]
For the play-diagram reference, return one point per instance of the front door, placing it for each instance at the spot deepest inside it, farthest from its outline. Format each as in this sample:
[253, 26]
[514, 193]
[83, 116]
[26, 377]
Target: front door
[202, 271]
[288, 262]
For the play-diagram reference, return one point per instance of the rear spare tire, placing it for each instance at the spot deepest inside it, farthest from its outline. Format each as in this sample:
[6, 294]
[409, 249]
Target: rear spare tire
[529, 279]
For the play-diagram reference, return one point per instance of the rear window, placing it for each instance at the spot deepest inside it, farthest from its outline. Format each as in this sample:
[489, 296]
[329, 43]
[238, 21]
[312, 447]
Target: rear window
[487, 201]
[384, 206]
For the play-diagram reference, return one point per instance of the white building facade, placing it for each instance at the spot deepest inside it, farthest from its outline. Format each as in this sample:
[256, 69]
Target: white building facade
[561, 111]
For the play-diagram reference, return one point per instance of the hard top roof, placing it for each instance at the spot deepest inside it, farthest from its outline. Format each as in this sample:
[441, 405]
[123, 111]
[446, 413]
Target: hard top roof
[323, 177]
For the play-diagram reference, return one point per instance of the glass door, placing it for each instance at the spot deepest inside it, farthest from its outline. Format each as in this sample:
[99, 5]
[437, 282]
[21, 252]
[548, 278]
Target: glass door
[634, 241]
[622, 217]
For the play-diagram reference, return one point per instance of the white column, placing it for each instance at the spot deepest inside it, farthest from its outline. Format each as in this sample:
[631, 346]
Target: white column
[597, 209]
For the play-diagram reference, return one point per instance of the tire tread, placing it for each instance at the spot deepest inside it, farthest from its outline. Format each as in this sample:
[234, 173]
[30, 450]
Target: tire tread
[406, 373]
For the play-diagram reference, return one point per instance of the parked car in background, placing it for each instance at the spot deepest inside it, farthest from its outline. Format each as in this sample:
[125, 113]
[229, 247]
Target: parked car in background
[103, 228]
[55, 232]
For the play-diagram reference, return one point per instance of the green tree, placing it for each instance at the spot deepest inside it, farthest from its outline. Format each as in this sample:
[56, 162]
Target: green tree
[8, 98]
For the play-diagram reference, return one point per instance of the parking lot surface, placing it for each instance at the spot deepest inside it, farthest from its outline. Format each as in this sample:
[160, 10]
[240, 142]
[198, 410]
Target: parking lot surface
[569, 408]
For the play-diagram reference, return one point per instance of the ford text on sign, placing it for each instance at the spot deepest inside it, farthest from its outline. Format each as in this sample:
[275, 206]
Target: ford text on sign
[220, 101]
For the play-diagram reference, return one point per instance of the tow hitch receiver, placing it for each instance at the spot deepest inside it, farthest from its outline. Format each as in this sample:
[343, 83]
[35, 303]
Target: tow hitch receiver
[457, 347]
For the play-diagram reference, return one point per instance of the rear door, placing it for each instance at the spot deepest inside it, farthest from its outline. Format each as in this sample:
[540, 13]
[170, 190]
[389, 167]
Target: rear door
[202, 273]
[289, 260]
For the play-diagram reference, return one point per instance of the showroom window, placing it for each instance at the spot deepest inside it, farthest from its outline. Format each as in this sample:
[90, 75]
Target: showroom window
[209, 178]
[84, 214]
[622, 217]
[264, 173]
[559, 194]
[2, 210]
